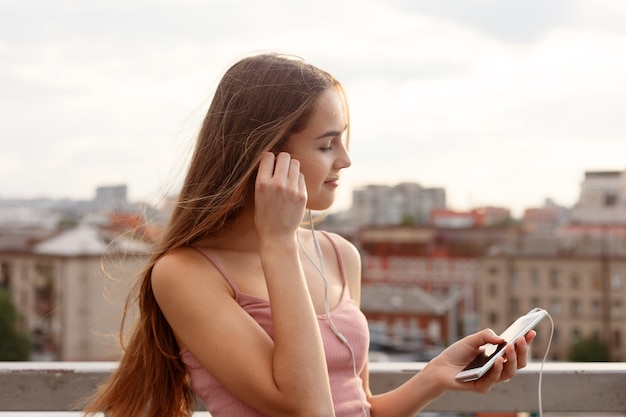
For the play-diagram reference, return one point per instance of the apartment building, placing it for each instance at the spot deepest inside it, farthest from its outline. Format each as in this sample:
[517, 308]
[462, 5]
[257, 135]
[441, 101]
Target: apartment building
[383, 205]
[602, 198]
[70, 291]
[111, 198]
[579, 277]
[420, 284]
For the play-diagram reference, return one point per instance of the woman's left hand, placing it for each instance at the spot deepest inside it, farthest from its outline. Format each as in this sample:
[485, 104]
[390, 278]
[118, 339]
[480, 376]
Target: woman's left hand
[456, 357]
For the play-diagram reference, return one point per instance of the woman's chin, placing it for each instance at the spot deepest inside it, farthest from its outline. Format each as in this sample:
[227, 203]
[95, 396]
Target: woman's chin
[319, 206]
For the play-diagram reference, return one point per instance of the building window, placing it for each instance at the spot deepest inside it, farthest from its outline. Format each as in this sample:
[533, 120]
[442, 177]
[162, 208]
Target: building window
[515, 306]
[617, 280]
[6, 272]
[610, 199]
[617, 339]
[493, 289]
[596, 280]
[575, 308]
[574, 281]
[44, 289]
[44, 305]
[555, 307]
[535, 278]
[493, 319]
[514, 278]
[575, 336]
[596, 309]
[554, 278]
[617, 309]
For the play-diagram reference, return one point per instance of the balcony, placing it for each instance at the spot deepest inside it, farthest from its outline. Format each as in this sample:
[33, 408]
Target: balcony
[577, 388]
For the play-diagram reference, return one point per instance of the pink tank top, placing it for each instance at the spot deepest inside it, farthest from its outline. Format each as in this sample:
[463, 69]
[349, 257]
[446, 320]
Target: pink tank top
[347, 390]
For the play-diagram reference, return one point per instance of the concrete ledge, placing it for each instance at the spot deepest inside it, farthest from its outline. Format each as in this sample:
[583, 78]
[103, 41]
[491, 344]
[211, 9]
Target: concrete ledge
[567, 387]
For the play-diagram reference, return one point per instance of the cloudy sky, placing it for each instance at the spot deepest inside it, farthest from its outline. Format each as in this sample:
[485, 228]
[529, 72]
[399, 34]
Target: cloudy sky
[501, 102]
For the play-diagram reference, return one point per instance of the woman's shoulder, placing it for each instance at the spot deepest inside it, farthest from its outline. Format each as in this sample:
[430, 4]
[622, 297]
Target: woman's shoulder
[182, 266]
[351, 260]
[184, 258]
[348, 249]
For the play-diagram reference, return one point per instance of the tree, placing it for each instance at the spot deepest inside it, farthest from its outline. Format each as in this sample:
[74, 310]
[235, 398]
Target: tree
[589, 349]
[408, 221]
[14, 344]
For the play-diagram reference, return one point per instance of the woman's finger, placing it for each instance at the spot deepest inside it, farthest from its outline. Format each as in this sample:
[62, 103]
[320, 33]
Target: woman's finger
[510, 366]
[266, 166]
[521, 350]
[283, 165]
[486, 382]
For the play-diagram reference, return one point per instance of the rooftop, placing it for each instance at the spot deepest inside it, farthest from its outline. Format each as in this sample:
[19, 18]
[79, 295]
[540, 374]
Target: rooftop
[88, 240]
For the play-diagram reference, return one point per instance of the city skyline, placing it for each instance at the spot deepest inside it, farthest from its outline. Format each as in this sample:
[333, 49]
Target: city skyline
[501, 103]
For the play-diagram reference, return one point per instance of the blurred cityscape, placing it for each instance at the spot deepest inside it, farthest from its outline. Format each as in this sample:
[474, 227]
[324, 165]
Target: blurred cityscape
[430, 274]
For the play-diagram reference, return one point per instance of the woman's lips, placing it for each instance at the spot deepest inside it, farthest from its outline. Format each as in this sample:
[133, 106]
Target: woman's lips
[332, 183]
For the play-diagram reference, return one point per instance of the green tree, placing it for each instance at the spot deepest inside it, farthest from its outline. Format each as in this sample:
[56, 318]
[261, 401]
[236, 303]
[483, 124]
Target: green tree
[408, 221]
[588, 349]
[14, 344]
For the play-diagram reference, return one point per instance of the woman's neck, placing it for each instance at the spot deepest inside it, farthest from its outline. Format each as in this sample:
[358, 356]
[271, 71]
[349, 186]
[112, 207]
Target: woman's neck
[238, 235]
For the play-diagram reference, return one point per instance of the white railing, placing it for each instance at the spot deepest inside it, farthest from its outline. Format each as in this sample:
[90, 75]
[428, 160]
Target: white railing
[566, 387]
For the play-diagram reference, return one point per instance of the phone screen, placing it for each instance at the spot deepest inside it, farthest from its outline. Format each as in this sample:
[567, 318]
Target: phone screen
[483, 361]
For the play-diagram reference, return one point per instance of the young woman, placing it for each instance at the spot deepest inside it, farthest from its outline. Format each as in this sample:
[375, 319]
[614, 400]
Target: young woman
[243, 307]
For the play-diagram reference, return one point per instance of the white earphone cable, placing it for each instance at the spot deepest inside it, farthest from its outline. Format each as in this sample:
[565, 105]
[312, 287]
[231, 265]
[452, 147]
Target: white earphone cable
[543, 361]
[340, 336]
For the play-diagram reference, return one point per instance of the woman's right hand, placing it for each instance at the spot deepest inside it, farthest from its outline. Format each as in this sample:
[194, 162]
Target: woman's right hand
[280, 201]
[280, 196]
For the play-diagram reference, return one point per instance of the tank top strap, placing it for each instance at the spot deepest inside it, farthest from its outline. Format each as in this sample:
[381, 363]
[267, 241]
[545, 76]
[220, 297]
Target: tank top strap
[219, 267]
[339, 259]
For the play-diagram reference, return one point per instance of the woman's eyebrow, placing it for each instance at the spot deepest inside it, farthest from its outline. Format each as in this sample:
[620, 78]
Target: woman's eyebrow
[331, 133]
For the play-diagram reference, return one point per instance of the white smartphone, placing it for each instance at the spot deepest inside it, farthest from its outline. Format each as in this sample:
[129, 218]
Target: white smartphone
[485, 360]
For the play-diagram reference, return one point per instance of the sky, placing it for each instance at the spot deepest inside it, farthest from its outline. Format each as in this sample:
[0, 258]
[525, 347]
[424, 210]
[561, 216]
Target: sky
[501, 102]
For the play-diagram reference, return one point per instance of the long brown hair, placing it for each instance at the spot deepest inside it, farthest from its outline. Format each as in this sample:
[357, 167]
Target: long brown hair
[258, 104]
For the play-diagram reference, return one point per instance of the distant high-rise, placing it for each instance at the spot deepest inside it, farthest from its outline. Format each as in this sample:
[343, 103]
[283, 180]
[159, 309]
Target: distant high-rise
[383, 205]
[602, 198]
[111, 197]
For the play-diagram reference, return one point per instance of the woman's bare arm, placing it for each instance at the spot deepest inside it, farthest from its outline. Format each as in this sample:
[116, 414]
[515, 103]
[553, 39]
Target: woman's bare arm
[283, 376]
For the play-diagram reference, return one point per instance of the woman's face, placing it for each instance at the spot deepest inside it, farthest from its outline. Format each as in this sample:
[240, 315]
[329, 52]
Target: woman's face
[321, 149]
